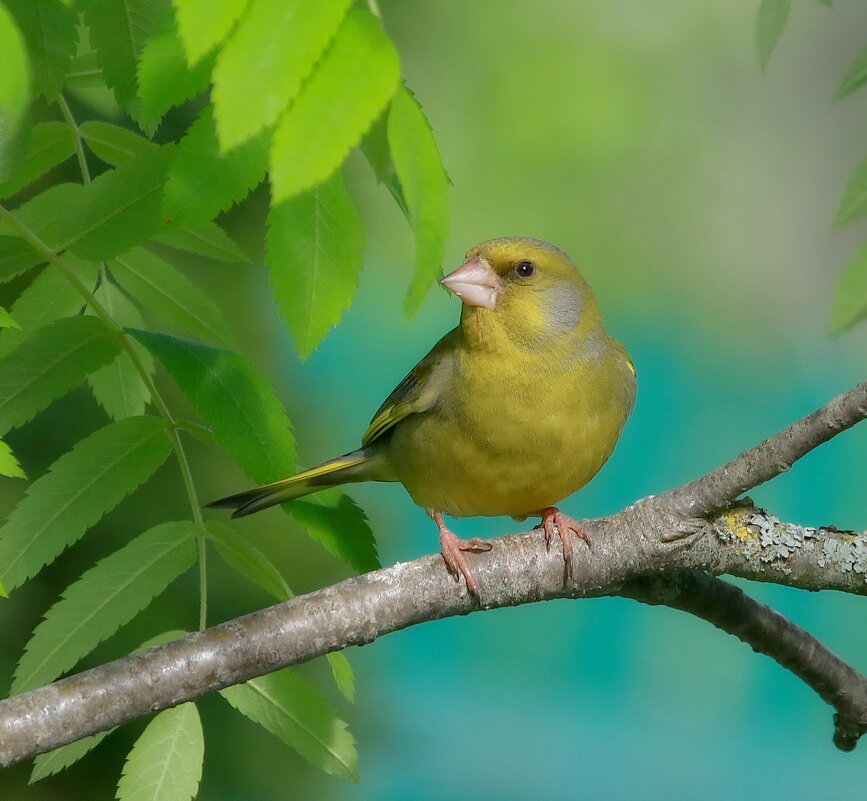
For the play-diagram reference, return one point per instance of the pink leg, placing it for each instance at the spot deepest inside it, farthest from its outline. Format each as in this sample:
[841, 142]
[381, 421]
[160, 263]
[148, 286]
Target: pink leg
[453, 547]
[554, 520]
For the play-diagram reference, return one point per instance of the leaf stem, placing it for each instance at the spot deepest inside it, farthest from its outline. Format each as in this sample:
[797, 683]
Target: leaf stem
[172, 427]
[79, 145]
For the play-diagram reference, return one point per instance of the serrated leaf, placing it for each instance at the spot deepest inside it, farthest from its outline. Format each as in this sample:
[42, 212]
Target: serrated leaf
[80, 488]
[853, 204]
[346, 92]
[314, 254]
[9, 464]
[278, 41]
[239, 407]
[849, 306]
[425, 187]
[119, 387]
[376, 150]
[106, 597]
[163, 290]
[165, 764]
[118, 32]
[119, 209]
[48, 298]
[334, 519]
[113, 144]
[85, 72]
[205, 239]
[48, 364]
[61, 758]
[249, 421]
[344, 676]
[49, 31]
[203, 24]
[293, 710]
[14, 86]
[202, 182]
[248, 560]
[49, 144]
[770, 22]
[164, 79]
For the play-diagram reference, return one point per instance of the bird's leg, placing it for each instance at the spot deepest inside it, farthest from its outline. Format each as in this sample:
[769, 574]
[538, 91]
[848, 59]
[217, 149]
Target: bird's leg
[554, 520]
[453, 547]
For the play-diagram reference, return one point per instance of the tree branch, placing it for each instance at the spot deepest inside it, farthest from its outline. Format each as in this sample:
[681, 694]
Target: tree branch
[630, 556]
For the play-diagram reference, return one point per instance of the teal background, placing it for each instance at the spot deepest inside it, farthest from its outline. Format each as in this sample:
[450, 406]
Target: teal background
[697, 195]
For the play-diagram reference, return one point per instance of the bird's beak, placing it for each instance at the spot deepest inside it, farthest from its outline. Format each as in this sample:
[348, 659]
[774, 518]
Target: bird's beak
[475, 283]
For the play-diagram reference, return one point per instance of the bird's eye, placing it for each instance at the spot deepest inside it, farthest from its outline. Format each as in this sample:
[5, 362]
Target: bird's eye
[524, 269]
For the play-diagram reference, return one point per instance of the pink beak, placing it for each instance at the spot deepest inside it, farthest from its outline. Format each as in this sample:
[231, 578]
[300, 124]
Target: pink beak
[475, 283]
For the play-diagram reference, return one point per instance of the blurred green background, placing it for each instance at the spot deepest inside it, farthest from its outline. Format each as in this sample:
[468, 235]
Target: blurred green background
[697, 196]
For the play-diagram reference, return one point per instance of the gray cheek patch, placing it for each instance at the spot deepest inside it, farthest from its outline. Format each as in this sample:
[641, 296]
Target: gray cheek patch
[563, 307]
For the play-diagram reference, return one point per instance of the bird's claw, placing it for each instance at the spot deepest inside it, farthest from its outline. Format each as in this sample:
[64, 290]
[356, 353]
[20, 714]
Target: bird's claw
[555, 523]
[453, 549]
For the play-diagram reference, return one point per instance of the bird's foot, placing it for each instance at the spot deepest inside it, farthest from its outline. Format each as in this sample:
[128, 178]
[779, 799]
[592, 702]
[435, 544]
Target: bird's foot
[554, 522]
[453, 549]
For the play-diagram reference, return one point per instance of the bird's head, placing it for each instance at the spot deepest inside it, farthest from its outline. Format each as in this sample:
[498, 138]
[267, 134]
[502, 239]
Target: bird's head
[529, 285]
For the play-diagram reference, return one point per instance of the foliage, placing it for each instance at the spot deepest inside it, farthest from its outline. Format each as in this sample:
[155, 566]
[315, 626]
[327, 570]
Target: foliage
[99, 301]
[850, 299]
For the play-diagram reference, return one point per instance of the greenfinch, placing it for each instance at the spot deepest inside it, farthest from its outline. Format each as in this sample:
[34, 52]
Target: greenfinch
[514, 409]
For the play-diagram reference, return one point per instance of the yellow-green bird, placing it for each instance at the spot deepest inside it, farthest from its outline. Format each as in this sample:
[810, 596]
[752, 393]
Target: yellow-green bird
[514, 409]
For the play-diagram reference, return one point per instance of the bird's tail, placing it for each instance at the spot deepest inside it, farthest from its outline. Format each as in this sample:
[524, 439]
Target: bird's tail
[342, 470]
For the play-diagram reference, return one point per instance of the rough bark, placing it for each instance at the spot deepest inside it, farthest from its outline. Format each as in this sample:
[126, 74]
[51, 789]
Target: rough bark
[640, 552]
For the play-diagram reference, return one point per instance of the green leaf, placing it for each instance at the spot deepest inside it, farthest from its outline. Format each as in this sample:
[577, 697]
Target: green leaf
[80, 487]
[293, 710]
[346, 92]
[85, 72]
[204, 238]
[314, 254]
[249, 421]
[16, 256]
[164, 79]
[376, 150]
[164, 291]
[853, 205]
[118, 31]
[165, 764]
[49, 32]
[241, 409]
[61, 758]
[44, 213]
[113, 144]
[850, 297]
[203, 24]
[7, 320]
[9, 464]
[278, 41]
[855, 78]
[106, 597]
[120, 209]
[48, 298]
[119, 387]
[334, 519]
[770, 22]
[47, 365]
[202, 182]
[49, 144]
[343, 674]
[248, 560]
[425, 186]
[14, 86]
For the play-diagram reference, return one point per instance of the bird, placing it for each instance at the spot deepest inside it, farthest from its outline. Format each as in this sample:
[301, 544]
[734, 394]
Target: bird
[513, 410]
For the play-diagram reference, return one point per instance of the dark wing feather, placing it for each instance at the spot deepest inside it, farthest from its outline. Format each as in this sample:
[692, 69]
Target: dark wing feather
[419, 391]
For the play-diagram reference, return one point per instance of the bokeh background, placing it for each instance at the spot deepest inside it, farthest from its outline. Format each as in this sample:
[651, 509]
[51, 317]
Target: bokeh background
[697, 194]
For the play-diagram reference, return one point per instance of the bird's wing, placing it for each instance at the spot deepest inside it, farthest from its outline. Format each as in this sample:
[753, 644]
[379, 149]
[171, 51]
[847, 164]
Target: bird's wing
[418, 392]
